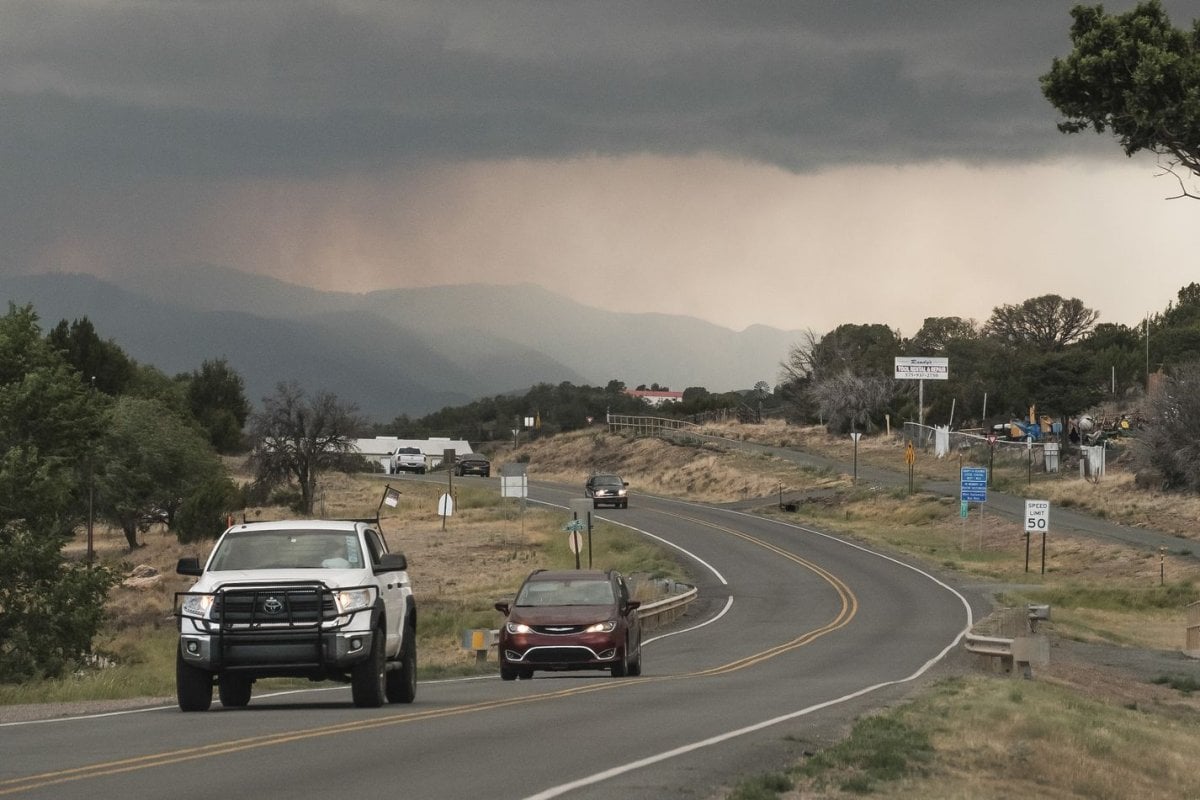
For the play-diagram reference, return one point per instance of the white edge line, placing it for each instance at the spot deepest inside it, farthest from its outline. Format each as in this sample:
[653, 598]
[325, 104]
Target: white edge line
[556, 791]
[670, 544]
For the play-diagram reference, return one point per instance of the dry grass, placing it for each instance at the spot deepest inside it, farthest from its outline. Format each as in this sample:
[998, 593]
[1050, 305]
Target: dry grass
[704, 473]
[1002, 739]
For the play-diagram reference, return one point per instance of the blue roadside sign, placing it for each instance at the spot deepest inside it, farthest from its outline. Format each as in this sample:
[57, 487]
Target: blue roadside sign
[974, 485]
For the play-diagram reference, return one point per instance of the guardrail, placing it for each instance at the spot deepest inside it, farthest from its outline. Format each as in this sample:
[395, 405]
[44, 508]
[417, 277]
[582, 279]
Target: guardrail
[646, 425]
[1000, 647]
[659, 612]
[1022, 648]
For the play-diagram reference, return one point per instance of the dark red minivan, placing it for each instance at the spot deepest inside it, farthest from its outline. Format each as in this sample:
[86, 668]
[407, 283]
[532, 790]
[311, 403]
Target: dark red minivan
[568, 620]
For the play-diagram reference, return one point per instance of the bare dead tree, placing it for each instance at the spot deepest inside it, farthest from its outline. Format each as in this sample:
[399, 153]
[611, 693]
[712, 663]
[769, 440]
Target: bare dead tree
[297, 440]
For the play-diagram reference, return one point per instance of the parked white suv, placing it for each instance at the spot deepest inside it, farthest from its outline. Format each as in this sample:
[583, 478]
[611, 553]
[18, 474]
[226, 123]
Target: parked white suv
[319, 599]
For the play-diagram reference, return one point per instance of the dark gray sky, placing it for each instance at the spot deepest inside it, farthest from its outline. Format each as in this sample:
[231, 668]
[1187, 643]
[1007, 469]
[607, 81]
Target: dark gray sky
[788, 163]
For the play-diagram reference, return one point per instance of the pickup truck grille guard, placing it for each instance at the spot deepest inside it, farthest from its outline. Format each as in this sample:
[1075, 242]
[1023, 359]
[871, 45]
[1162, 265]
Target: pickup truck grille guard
[259, 612]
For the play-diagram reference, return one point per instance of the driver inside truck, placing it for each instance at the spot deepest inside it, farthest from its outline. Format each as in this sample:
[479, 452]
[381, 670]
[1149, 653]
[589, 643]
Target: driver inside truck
[333, 551]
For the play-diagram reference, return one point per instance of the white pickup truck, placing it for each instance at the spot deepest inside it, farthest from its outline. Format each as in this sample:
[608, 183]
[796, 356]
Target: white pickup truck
[318, 599]
[408, 459]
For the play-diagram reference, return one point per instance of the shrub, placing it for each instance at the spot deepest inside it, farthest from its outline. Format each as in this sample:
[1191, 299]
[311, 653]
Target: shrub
[50, 611]
[203, 515]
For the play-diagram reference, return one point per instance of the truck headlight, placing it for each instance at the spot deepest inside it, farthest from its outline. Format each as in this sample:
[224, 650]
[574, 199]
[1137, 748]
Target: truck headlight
[197, 605]
[348, 600]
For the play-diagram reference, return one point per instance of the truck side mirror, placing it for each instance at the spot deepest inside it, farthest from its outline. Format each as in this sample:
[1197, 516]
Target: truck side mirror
[392, 562]
[189, 566]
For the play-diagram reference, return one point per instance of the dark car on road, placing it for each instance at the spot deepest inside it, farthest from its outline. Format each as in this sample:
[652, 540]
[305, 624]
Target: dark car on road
[607, 490]
[473, 464]
[571, 620]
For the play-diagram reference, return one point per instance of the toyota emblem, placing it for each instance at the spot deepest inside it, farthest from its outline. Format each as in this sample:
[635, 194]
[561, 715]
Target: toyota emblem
[273, 605]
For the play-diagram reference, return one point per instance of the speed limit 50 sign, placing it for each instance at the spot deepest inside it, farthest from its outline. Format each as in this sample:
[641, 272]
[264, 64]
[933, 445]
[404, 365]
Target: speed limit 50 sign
[1037, 516]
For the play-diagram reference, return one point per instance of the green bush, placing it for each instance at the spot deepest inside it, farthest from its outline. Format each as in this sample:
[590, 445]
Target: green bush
[50, 610]
[204, 515]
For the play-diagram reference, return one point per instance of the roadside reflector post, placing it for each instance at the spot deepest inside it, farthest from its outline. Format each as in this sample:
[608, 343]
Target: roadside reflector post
[480, 640]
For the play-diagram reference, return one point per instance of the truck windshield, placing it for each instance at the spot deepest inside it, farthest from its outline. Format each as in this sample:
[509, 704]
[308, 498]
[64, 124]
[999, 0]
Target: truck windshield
[290, 549]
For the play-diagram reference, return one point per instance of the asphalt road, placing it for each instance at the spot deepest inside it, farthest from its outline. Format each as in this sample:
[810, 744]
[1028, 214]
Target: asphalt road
[795, 634]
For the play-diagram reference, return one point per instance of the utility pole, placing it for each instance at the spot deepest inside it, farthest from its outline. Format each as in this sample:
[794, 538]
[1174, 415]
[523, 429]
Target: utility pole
[91, 550]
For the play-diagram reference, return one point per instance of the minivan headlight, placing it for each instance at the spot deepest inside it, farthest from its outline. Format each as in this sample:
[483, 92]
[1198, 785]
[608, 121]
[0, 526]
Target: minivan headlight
[602, 627]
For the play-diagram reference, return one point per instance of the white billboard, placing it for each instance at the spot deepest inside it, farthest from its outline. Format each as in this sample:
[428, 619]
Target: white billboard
[922, 368]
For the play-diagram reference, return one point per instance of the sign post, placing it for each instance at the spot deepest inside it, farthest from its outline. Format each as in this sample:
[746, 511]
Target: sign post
[991, 440]
[574, 529]
[1037, 519]
[856, 437]
[581, 510]
[514, 482]
[910, 458]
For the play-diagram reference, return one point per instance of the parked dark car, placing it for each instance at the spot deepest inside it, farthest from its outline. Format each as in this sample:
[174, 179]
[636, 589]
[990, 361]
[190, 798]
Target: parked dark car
[473, 464]
[607, 490]
[571, 620]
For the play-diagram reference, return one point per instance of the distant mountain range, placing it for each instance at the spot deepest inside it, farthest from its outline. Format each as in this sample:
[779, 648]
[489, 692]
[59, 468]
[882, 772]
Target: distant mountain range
[397, 351]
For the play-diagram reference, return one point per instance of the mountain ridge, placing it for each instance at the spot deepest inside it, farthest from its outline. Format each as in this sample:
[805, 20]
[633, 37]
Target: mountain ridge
[396, 351]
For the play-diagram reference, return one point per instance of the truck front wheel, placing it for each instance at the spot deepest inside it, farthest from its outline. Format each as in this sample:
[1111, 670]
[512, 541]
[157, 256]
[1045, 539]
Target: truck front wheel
[367, 677]
[193, 686]
[402, 683]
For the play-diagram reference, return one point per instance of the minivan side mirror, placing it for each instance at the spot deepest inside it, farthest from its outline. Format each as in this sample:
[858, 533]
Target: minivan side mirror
[503, 608]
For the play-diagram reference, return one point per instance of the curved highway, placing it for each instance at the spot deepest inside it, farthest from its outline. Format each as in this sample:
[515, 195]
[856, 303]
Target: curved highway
[796, 633]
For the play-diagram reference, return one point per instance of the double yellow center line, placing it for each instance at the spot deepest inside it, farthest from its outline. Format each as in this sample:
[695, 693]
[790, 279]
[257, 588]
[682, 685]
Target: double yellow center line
[847, 610]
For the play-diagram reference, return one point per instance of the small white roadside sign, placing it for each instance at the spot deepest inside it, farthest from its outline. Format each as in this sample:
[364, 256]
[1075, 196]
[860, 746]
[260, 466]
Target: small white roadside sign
[1037, 516]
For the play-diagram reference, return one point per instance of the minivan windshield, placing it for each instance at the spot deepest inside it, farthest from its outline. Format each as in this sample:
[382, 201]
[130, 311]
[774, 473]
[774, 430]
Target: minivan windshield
[566, 593]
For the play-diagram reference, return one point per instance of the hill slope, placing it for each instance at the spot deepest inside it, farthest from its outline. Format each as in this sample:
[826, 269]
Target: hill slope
[395, 352]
